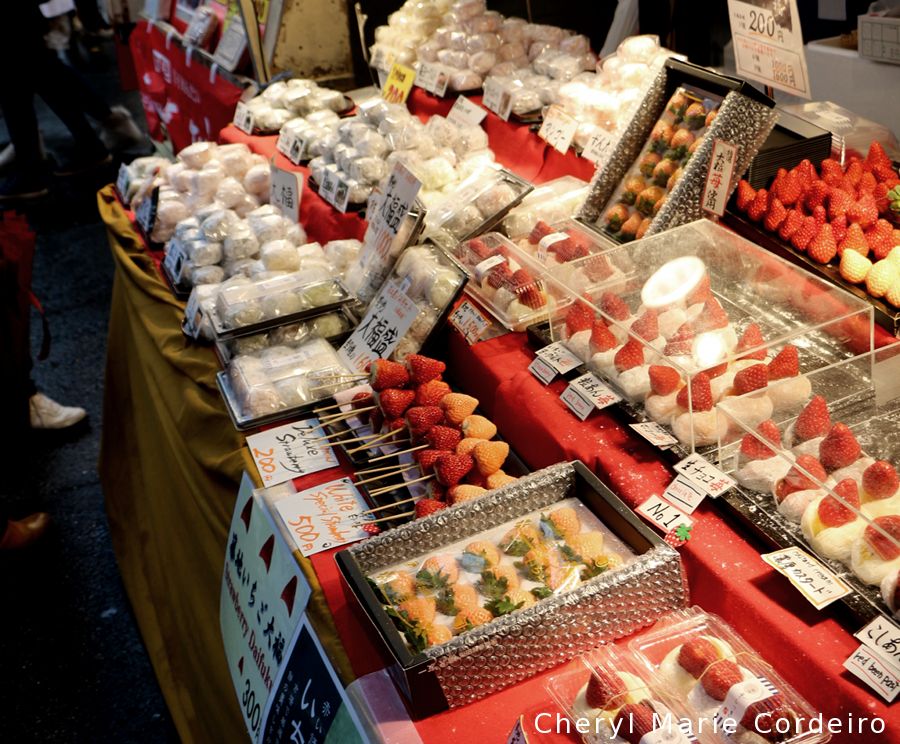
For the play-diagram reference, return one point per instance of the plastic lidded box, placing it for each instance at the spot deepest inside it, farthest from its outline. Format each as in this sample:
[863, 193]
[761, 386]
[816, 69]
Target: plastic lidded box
[508, 282]
[700, 661]
[559, 245]
[707, 304]
[551, 202]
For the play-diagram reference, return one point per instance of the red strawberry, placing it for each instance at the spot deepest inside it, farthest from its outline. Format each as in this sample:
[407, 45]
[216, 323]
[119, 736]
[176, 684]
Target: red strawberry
[713, 316]
[745, 195]
[805, 233]
[479, 248]
[434, 490]
[376, 419]
[629, 356]
[880, 480]
[864, 212]
[816, 195]
[839, 203]
[700, 293]
[751, 339]
[785, 364]
[384, 374]
[831, 167]
[428, 457]
[646, 326]
[424, 369]
[635, 721]
[720, 678]
[789, 189]
[834, 512]
[839, 448]
[597, 268]
[822, 248]
[880, 238]
[579, 317]
[430, 393]
[664, 380]
[880, 193]
[757, 208]
[603, 688]
[443, 438]
[500, 276]
[614, 306]
[421, 418]
[813, 420]
[775, 214]
[764, 718]
[700, 396]
[790, 225]
[854, 240]
[540, 231]
[839, 229]
[751, 378]
[796, 480]
[394, 402]
[451, 469]
[877, 156]
[820, 215]
[371, 529]
[426, 507]
[853, 173]
[867, 184]
[753, 449]
[696, 655]
[883, 545]
[602, 339]
[531, 295]
[806, 171]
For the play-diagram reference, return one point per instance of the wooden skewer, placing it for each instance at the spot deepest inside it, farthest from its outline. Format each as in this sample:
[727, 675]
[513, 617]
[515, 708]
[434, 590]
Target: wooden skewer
[373, 443]
[335, 436]
[385, 489]
[401, 452]
[334, 381]
[388, 519]
[343, 415]
[388, 506]
[382, 477]
[379, 470]
[385, 435]
[333, 406]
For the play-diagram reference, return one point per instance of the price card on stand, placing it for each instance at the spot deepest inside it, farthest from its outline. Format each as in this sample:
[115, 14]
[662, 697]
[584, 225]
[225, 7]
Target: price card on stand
[290, 451]
[464, 113]
[341, 195]
[176, 258]
[285, 191]
[883, 637]
[718, 177]
[599, 147]
[558, 129]
[706, 475]
[469, 321]
[663, 515]
[813, 579]
[768, 44]
[123, 181]
[542, 370]
[586, 394]
[399, 83]
[386, 322]
[655, 434]
[328, 187]
[232, 44]
[497, 98]
[559, 357]
[145, 214]
[866, 665]
[684, 493]
[433, 78]
[243, 118]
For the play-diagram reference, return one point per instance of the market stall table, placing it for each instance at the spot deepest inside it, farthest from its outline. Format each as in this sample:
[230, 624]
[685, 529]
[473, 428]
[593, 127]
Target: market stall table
[170, 465]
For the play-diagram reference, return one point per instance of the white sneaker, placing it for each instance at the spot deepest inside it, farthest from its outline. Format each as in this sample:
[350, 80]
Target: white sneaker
[119, 131]
[46, 413]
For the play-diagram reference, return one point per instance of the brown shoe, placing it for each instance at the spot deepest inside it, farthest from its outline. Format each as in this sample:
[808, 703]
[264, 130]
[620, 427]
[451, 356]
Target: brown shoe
[23, 532]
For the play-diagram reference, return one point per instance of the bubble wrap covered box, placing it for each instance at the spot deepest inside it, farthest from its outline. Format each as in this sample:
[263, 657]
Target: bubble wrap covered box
[514, 647]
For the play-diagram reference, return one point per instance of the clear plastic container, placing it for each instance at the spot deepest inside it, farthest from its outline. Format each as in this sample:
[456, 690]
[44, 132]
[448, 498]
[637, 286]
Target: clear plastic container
[510, 284]
[700, 661]
[551, 202]
[707, 304]
[559, 246]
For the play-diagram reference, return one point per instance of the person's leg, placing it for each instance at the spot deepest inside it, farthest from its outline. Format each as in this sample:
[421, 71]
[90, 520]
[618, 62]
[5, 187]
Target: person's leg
[28, 174]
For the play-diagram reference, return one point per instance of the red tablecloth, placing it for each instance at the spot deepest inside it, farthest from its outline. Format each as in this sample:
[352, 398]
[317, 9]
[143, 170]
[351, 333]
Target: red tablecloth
[726, 574]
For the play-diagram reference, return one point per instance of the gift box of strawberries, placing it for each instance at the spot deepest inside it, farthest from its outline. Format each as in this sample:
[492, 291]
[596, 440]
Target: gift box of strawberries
[489, 592]
[843, 220]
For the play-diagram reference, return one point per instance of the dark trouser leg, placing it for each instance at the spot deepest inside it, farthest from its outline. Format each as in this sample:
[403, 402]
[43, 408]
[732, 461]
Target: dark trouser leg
[91, 102]
[17, 102]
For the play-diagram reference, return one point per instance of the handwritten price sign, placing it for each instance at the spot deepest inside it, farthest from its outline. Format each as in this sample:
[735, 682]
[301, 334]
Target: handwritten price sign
[290, 451]
[705, 474]
[558, 129]
[814, 581]
[586, 394]
[398, 84]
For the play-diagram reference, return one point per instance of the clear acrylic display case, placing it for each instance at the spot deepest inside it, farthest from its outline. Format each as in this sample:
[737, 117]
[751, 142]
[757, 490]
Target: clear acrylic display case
[708, 305]
[825, 473]
[514, 287]
[551, 202]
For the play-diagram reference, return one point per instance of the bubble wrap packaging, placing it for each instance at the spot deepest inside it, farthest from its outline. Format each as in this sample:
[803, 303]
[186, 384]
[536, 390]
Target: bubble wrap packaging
[741, 120]
[513, 647]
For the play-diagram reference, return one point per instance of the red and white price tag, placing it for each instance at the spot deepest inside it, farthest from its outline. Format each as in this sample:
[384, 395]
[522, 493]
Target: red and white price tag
[542, 370]
[704, 474]
[586, 394]
[655, 434]
[469, 321]
[718, 178]
[285, 191]
[865, 664]
[684, 493]
[433, 78]
[497, 98]
[812, 579]
[883, 637]
[243, 118]
[558, 129]
[663, 515]
[559, 357]
[464, 113]
[290, 451]
[599, 147]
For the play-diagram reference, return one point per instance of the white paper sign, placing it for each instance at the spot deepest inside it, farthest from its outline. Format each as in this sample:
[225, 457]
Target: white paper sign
[193, 314]
[542, 370]
[814, 581]
[684, 493]
[243, 118]
[867, 666]
[599, 147]
[292, 146]
[497, 98]
[262, 601]
[232, 44]
[559, 357]
[655, 434]
[328, 187]
[883, 637]
[587, 393]
[123, 181]
[290, 451]
[558, 129]
[705, 474]
[464, 113]
[768, 44]
[145, 214]
[740, 697]
[469, 321]
[285, 191]
[324, 517]
[663, 515]
[341, 195]
[387, 320]
[432, 77]
[175, 259]
[718, 177]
